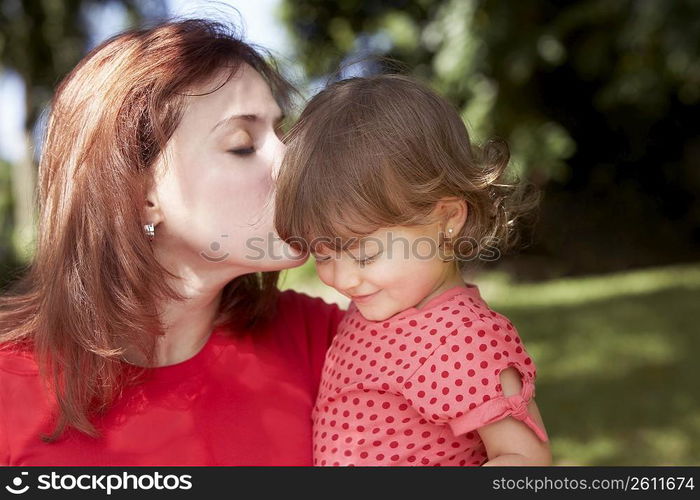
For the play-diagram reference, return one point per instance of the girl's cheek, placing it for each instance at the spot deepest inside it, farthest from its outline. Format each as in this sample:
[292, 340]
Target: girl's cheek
[389, 270]
[325, 273]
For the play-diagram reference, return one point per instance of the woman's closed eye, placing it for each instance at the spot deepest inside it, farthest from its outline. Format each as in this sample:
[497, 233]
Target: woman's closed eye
[242, 143]
[242, 151]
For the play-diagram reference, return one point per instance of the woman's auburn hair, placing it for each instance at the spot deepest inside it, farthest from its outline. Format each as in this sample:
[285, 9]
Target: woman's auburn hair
[93, 287]
[381, 151]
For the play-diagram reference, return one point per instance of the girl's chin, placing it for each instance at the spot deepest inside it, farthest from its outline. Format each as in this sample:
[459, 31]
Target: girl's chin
[371, 314]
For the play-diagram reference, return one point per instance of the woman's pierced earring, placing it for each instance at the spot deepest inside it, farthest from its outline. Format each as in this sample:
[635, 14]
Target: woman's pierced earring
[450, 231]
[150, 231]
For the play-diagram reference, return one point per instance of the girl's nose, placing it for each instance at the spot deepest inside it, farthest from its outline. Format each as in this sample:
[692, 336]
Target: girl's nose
[345, 276]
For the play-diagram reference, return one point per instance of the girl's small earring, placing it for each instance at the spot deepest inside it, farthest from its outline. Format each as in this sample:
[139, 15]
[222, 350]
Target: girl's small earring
[446, 239]
[150, 231]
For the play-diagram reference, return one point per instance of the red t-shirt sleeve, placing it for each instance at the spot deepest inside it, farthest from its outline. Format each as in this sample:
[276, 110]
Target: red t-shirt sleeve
[459, 383]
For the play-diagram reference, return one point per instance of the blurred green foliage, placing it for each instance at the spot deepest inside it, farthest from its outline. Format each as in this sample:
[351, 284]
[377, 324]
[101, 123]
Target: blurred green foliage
[8, 260]
[483, 54]
[616, 359]
[43, 39]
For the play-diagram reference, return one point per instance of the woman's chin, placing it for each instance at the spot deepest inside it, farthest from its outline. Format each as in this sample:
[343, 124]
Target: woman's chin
[283, 257]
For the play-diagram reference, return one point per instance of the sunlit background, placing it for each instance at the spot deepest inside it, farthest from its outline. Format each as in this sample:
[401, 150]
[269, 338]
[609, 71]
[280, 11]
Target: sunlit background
[599, 102]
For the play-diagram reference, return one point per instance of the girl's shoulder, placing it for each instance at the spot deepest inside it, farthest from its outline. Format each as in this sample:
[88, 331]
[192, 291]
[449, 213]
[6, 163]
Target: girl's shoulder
[465, 310]
[482, 333]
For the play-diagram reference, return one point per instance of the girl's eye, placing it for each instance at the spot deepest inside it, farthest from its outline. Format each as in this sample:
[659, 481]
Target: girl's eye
[367, 260]
[322, 260]
[243, 151]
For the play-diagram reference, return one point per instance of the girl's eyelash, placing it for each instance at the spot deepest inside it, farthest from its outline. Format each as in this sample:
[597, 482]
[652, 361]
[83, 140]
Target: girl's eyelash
[368, 260]
[362, 262]
[243, 151]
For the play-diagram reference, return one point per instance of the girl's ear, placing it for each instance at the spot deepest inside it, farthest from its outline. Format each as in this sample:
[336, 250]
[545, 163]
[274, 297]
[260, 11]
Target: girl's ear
[452, 214]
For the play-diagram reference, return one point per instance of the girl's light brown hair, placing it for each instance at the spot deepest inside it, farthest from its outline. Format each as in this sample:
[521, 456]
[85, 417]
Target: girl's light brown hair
[377, 152]
[94, 285]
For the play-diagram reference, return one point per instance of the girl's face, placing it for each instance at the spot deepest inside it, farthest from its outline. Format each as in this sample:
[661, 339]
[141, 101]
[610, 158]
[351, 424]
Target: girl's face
[212, 202]
[390, 271]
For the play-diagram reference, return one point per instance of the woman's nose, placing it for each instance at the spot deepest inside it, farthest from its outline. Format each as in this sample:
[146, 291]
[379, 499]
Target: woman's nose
[278, 149]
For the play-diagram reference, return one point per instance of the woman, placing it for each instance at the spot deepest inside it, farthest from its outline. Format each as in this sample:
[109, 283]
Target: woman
[149, 329]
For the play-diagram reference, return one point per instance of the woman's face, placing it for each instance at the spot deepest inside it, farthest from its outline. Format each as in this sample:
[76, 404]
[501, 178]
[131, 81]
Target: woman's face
[212, 200]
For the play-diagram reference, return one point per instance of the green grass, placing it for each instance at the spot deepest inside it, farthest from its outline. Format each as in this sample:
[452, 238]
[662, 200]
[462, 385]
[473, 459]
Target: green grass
[617, 359]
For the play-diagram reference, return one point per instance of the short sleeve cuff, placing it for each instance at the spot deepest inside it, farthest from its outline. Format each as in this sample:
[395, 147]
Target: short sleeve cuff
[496, 409]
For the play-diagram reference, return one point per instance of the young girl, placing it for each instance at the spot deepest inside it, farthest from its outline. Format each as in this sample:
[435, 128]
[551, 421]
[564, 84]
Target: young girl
[383, 186]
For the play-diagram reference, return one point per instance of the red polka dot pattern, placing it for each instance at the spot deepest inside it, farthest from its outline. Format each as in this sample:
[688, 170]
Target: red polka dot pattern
[392, 390]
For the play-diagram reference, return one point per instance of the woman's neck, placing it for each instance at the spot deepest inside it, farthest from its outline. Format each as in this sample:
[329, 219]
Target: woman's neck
[187, 323]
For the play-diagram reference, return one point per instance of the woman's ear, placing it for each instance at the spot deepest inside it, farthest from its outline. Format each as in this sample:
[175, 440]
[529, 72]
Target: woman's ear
[151, 209]
[152, 212]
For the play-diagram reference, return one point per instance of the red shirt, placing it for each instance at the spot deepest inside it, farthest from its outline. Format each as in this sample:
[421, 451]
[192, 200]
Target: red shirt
[244, 399]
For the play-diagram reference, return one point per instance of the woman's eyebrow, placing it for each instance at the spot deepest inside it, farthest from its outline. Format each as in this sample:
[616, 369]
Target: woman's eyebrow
[246, 117]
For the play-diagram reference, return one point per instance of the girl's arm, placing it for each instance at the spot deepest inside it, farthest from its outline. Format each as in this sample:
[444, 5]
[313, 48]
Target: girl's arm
[510, 441]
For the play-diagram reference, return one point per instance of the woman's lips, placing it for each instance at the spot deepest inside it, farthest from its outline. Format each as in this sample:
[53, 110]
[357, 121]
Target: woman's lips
[363, 298]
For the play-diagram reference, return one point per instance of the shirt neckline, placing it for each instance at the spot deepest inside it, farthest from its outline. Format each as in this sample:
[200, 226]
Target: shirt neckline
[466, 288]
[190, 365]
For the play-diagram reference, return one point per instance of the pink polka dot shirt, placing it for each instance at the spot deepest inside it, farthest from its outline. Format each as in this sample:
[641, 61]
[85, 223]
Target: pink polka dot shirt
[413, 390]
